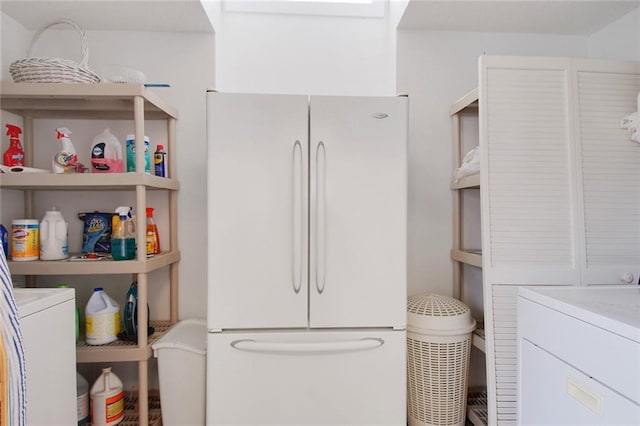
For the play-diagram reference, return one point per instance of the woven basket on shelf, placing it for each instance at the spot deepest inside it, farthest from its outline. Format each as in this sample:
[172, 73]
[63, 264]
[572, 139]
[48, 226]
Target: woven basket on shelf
[54, 70]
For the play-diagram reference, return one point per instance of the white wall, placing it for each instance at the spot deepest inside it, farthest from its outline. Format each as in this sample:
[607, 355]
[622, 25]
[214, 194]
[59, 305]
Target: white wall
[437, 68]
[619, 40]
[265, 53]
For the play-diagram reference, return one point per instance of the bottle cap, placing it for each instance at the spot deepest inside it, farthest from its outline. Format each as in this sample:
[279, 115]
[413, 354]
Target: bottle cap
[149, 211]
[159, 147]
[98, 289]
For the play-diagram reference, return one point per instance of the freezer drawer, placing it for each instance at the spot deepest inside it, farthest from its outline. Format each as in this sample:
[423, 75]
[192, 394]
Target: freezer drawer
[307, 378]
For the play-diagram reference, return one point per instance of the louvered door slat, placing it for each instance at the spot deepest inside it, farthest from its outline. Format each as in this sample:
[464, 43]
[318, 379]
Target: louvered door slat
[529, 188]
[610, 175]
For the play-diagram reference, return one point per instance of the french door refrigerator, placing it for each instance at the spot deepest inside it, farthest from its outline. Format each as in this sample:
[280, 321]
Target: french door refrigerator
[307, 213]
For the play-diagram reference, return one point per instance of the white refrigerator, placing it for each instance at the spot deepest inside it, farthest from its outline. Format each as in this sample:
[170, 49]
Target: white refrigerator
[307, 214]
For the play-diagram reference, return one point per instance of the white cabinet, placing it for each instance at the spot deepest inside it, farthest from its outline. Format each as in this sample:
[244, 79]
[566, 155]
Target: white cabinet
[134, 102]
[307, 205]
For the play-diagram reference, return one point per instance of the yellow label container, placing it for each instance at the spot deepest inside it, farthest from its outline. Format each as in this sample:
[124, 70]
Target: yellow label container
[25, 239]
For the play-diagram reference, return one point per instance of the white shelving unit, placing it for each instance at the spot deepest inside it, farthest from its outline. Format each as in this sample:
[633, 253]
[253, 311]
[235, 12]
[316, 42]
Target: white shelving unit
[460, 254]
[102, 101]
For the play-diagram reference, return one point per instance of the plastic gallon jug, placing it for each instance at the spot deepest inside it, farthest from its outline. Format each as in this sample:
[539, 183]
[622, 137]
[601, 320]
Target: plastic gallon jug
[54, 236]
[103, 318]
[107, 399]
[82, 400]
[25, 239]
[106, 154]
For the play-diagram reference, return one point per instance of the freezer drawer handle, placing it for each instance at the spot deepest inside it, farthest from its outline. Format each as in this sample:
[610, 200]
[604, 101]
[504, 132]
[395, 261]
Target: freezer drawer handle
[307, 348]
[320, 216]
[297, 215]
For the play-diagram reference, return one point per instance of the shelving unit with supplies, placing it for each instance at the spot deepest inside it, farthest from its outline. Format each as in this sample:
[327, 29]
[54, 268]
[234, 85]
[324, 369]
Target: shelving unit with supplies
[35, 101]
[462, 255]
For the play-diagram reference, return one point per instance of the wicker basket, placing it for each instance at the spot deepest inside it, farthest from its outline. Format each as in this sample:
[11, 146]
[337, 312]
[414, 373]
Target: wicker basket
[54, 70]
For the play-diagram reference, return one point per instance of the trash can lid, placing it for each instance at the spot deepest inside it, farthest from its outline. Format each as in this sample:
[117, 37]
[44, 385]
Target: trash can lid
[428, 312]
[189, 335]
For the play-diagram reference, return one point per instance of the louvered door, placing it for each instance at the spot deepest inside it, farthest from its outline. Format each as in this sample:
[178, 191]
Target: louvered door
[560, 191]
[528, 204]
[608, 172]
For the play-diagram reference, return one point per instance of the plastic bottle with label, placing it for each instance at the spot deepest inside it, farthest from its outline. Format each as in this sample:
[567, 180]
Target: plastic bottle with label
[54, 236]
[131, 154]
[123, 240]
[107, 399]
[106, 154]
[153, 239]
[66, 159]
[82, 400]
[14, 155]
[102, 318]
[160, 161]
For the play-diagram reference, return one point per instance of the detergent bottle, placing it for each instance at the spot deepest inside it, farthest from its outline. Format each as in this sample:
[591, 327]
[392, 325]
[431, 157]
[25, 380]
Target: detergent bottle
[106, 154]
[153, 239]
[123, 241]
[64, 160]
[14, 155]
[54, 236]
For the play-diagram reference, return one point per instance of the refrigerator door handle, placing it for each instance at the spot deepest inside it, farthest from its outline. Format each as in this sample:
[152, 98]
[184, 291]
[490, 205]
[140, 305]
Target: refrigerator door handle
[307, 348]
[297, 217]
[320, 217]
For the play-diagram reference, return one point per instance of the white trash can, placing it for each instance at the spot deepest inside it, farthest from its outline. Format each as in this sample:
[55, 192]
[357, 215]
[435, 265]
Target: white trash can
[438, 348]
[182, 364]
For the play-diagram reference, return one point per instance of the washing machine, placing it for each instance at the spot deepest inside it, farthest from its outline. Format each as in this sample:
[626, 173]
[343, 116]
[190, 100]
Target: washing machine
[47, 323]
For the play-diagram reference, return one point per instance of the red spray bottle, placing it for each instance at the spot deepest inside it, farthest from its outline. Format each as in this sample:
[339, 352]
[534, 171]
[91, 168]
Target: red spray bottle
[14, 156]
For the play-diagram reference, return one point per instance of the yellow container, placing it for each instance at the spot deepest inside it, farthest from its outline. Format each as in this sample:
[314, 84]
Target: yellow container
[25, 239]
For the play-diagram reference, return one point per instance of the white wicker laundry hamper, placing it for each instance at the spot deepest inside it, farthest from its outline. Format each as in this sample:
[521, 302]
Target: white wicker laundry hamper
[438, 348]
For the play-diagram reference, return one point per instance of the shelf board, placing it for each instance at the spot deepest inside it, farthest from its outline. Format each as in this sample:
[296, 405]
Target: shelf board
[477, 339]
[85, 181]
[96, 101]
[468, 257]
[102, 267]
[120, 351]
[477, 412]
[472, 181]
[467, 102]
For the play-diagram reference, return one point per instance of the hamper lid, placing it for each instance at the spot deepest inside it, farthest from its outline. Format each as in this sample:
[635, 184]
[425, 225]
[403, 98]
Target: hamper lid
[429, 312]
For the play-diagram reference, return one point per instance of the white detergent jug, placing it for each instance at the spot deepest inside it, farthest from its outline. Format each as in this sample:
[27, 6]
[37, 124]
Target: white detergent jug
[102, 318]
[54, 236]
[107, 399]
[106, 154]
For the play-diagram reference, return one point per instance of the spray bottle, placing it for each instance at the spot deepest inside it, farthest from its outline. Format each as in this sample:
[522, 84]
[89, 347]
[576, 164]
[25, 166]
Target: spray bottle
[64, 161]
[123, 241]
[153, 239]
[14, 155]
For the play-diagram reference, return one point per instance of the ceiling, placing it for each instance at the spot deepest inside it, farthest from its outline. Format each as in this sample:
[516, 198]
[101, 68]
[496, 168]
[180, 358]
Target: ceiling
[126, 15]
[582, 17]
